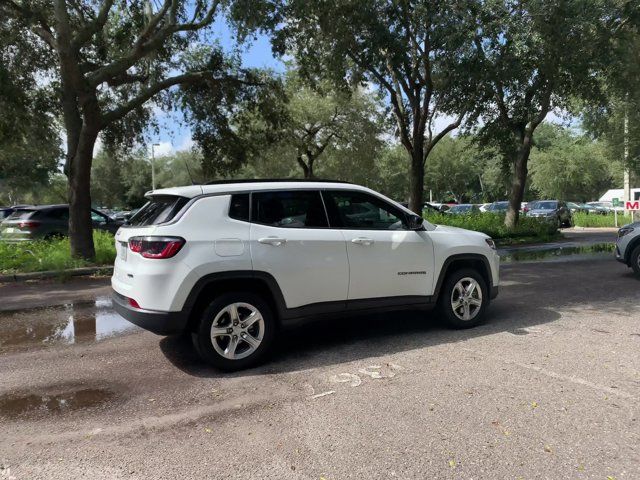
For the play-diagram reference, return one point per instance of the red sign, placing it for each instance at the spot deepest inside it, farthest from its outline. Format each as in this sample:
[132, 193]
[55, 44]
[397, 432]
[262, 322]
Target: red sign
[632, 205]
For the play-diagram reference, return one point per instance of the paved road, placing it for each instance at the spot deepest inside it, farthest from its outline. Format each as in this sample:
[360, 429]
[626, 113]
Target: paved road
[548, 388]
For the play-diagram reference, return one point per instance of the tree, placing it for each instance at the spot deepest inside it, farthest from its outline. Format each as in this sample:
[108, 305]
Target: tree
[566, 166]
[321, 121]
[107, 60]
[29, 140]
[107, 183]
[617, 122]
[455, 170]
[409, 51]
[534, 56]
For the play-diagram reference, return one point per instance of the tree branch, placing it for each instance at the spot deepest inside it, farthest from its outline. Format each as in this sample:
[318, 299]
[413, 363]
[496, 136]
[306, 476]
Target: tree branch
[94, 26]
[441, 135]
[147, 93]
[40, 27]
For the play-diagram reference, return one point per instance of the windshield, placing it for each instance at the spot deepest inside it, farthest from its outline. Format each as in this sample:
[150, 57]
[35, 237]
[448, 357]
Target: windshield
[21, 215]
[160, 209]
[545, 206]
[462, 208]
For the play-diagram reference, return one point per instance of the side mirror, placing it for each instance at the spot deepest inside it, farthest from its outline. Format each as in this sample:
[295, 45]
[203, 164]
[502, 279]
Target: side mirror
[414, 222]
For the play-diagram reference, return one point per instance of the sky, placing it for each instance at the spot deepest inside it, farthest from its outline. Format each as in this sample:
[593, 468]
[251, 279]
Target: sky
[257, 54]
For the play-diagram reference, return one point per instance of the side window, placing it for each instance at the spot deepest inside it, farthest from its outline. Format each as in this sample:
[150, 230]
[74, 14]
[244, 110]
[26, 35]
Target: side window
[97, 218]
[239, 207]
[289, 209]
[362, 211]
[59, 214]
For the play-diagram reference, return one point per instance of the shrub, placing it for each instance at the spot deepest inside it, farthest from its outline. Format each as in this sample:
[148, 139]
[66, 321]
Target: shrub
[493, 225]
[593, 220]
[53, 254]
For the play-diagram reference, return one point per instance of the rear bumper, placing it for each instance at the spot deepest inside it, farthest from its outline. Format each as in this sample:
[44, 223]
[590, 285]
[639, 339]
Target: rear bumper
[161, 323]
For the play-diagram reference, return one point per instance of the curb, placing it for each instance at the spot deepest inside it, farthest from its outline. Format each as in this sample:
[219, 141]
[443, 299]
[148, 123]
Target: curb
[74, 272]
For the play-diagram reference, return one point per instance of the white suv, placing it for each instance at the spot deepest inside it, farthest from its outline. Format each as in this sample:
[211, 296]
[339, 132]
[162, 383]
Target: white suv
[233, 262]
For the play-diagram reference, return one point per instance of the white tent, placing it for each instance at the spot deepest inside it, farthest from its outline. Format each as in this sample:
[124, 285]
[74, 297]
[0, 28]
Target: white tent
[619, 193]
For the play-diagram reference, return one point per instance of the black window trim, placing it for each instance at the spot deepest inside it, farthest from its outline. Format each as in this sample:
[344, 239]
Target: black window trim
[231, 195]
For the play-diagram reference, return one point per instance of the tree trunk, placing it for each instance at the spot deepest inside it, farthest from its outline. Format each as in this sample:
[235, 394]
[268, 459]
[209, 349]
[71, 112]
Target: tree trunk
[416, 181]
[80, 224]
[519, 180]
[307, 170]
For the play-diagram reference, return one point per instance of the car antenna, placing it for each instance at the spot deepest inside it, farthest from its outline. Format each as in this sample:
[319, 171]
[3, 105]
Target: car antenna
[186, 164]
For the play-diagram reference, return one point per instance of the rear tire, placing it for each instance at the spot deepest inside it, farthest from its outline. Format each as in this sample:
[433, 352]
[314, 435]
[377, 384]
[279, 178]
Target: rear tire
[236, 331]
[634, 260]
[460, 305]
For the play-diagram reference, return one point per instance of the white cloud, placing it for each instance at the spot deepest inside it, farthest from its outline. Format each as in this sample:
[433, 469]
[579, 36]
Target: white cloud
[162, 149]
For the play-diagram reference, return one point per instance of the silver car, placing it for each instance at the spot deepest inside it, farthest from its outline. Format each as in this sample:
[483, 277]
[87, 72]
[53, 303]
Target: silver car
[628, 246]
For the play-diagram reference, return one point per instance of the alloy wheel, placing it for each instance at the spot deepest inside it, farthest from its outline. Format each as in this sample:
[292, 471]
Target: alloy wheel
[466, 299]
[237, 331]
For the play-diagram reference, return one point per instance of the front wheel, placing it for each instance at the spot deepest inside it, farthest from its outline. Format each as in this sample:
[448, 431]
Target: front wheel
[634, 260]
[463, 299]
[236, 331]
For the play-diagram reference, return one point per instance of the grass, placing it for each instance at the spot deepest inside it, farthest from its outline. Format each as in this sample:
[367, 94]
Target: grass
[528, 230]
[43, 255]
[599, 221]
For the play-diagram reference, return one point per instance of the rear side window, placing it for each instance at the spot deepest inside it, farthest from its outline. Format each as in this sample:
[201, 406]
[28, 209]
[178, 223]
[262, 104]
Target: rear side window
[239, 207]
[61, 214]
[289, 209]
[160, 209]
[21, 215]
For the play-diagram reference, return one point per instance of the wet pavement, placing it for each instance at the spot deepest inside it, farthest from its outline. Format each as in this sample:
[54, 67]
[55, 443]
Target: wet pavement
[549, 387]
[84, 322]
[52, 401]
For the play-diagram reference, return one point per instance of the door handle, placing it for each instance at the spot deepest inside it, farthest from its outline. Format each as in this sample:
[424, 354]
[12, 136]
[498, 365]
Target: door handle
[362, 241]
[275, 241]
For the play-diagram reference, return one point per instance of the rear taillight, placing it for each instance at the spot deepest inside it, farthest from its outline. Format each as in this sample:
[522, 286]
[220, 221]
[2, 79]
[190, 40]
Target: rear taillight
[133, 303]
[29, 224]
[156, 247]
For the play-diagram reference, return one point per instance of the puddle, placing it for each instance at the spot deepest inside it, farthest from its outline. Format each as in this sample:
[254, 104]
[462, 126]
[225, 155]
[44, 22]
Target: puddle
[68, 324]
[34, 405]
[599, 250]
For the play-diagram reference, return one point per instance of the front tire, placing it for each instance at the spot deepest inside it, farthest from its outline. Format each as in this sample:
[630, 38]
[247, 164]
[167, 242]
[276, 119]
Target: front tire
[634, 261]
[464, 298]
[236, 331]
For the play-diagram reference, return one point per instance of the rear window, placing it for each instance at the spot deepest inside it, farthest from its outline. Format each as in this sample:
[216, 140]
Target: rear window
[21, 215]
[159, 209]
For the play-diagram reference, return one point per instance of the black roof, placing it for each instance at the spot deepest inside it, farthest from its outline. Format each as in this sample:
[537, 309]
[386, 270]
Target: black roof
[268, 180]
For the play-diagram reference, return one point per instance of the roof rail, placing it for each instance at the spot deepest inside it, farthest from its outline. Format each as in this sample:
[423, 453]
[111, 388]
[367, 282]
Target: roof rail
[267, 180]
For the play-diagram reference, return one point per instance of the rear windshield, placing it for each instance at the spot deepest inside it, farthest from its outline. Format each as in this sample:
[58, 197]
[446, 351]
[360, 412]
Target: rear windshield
[546, 205]
[158, 210]
[21, 214]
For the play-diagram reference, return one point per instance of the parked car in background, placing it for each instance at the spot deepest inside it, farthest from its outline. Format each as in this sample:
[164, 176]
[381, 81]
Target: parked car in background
[599, 207]
[44, 222]
[463, 209]
[6, 211]
[577, 207]
[498, 207]
[552, 211]
[628, 246]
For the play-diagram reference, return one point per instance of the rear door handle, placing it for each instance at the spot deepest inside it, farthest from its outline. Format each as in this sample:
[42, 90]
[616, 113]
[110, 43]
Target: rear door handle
[275, 241]
[362, 241]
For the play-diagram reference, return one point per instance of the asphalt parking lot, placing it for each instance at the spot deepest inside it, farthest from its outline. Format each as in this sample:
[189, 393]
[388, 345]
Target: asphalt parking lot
[547, 388]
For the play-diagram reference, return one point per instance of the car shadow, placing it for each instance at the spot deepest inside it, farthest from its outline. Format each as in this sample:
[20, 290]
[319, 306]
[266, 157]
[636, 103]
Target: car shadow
[349, 338]
[531, 295]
